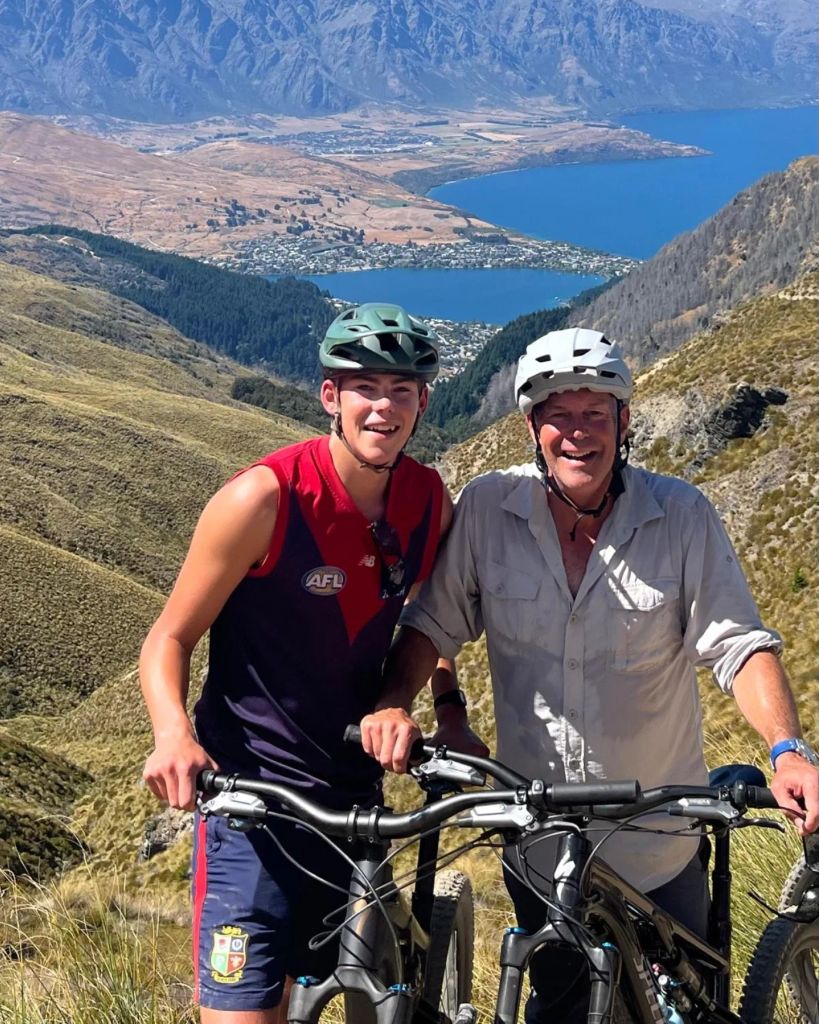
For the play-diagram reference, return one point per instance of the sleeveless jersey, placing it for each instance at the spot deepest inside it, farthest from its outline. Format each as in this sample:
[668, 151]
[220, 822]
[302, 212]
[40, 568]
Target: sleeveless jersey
[296, 652]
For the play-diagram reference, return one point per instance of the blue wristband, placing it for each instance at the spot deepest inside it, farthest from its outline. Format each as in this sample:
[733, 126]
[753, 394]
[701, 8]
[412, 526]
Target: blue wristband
[793, 745]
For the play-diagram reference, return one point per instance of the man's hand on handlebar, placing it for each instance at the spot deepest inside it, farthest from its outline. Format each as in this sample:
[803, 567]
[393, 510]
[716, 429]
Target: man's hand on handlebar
[388, 735]
[796, 787]
[170, 771]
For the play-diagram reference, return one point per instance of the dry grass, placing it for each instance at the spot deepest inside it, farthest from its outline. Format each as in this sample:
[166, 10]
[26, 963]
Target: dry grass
[102, 516]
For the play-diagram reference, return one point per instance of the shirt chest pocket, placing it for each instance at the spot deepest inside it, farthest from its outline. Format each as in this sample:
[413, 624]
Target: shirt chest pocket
[644, 624]
[509, 602]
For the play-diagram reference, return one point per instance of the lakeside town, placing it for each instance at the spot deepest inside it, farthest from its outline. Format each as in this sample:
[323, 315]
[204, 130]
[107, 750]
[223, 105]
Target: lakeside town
[289, 254]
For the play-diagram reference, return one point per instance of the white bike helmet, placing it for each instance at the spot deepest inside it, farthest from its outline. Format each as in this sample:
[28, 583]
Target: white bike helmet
[570, 360]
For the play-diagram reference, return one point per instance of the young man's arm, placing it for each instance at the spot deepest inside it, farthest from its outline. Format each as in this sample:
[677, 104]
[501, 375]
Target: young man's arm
[233, 534]
[764, 697]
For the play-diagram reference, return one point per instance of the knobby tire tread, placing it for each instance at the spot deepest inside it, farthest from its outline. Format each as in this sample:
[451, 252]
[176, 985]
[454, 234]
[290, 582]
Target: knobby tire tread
[773, 954]
[453, 908]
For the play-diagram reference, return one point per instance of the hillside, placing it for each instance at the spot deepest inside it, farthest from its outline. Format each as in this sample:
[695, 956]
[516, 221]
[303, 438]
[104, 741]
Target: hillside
[117, 429]
[765, 485]
[764, 238]
[761, 241]
[257, 322]
[182, 61]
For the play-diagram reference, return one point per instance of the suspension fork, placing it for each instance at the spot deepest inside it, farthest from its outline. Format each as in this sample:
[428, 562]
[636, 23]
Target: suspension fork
[518, 946]
[719, 916]
[355, 974]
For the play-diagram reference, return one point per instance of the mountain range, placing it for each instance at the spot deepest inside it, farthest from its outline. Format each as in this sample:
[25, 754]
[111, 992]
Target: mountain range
[168, 60]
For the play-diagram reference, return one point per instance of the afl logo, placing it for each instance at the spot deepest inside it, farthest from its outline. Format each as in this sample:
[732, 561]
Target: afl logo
[324, 581]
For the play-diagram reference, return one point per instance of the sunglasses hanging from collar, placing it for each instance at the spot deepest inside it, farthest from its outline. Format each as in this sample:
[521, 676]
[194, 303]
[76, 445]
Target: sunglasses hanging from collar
[393, 565]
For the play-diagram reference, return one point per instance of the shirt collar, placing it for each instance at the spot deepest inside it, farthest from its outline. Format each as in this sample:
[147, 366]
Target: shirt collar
[635, 506]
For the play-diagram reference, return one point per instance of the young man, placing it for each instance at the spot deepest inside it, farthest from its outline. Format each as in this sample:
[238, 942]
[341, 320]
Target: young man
[600, 588]
[299, 567]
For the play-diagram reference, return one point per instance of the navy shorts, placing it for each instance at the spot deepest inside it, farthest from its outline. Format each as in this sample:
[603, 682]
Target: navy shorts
[254, 911]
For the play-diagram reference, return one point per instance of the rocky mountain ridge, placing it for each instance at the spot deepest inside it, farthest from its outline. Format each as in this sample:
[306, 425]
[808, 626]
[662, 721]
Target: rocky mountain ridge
[762, 240]
[181, 59]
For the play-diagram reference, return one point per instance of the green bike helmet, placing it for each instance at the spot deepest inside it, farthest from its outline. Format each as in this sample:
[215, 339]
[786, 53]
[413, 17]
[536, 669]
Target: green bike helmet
[379, 338]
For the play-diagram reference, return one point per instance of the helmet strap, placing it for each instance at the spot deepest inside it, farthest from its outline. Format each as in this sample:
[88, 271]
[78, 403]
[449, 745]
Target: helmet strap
[362, 463]
[623, 443]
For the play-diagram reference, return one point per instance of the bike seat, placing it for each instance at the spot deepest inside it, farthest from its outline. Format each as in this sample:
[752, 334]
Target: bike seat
[728, 774]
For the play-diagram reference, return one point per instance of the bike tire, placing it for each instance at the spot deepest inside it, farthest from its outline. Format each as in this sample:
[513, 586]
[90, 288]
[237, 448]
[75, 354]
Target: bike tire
[782, 983]
[448, 972]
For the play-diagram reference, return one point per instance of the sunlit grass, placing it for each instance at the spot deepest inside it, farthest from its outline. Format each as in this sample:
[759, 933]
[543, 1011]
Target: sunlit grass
[89, 956]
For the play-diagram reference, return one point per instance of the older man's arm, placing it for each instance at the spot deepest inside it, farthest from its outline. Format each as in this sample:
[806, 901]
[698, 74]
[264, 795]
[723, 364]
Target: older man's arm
[764, 696]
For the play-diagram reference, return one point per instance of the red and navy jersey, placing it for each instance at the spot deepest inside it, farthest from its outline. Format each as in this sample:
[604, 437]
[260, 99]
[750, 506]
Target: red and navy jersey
[296, 652]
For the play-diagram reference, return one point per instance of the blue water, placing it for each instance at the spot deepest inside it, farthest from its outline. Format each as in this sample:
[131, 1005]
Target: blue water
[631, 208]
[494, 296]
[634, 207]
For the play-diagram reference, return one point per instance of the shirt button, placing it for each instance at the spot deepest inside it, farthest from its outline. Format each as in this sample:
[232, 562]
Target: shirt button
[574, 764]
[572, 713]
[573, 617]
[572, 663]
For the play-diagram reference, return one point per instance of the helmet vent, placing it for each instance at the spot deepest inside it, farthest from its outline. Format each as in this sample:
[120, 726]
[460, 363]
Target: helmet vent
[544, 359]
[389, 323]
[388, 342]
[581, 351]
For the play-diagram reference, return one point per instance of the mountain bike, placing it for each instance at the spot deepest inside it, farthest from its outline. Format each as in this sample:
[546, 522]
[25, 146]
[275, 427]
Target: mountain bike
[644, 966]
[401, 961]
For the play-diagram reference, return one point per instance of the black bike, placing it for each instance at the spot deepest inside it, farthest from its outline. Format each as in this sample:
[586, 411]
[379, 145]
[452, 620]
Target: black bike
[644, 966]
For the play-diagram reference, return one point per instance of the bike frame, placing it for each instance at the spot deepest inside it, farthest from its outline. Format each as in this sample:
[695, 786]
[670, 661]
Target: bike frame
[362, 938]
[612, 908]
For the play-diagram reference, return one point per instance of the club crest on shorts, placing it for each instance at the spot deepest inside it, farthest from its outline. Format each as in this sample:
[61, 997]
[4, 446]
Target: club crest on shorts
[324, 580]
[229, 954]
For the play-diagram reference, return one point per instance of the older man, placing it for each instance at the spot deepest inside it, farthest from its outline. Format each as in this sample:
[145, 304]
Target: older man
[600, 588]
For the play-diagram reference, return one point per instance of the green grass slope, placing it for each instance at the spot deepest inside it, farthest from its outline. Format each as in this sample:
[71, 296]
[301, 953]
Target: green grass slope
[115, 431]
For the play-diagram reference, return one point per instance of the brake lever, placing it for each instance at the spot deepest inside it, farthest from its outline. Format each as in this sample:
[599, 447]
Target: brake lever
[759, 823]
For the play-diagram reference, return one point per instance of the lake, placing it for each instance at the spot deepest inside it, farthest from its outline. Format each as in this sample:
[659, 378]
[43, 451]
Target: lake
[494, 296]
[631, 208]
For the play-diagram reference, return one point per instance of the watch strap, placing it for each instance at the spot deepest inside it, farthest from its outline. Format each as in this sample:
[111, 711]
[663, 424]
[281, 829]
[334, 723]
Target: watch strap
[793, 745]
[457, 697]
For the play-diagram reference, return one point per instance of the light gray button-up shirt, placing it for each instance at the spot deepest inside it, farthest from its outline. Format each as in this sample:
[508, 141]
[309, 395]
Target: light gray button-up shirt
[601, 685]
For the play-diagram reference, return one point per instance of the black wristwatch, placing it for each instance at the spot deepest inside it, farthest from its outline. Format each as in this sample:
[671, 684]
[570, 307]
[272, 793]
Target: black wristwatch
[457, 697]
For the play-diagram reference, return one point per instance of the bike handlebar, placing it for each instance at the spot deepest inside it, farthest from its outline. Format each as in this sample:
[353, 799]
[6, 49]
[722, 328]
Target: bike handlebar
[516, 807]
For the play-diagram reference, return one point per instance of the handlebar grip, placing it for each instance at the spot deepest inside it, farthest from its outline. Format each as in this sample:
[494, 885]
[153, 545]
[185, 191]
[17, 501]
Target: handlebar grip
[571, 794]
[759, 796]
[204, 780]
[352, 734]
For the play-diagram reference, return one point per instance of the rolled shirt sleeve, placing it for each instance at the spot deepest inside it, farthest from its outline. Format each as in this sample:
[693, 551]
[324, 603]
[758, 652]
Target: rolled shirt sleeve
[723, 627]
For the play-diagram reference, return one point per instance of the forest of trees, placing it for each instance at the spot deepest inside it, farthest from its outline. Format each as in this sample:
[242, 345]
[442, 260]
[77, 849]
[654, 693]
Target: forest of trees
[275, 324]
[464, 404]
[761, 240]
